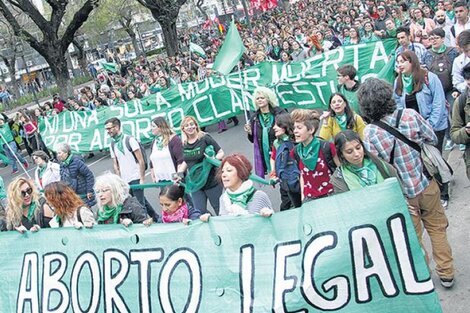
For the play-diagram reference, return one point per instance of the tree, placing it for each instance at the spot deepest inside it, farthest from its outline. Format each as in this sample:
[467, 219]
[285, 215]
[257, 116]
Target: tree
[9, 54]
[166, 12]
[199, 4]
[53, 36]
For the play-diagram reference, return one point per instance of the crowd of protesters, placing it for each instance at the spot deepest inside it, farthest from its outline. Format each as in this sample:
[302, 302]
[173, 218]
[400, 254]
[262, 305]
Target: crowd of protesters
[371, 131]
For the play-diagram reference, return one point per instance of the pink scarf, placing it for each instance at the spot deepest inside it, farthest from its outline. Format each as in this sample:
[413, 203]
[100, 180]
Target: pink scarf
[177, 216]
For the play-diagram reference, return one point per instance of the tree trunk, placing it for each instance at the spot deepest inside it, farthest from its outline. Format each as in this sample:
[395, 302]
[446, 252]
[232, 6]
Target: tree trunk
[12, 71]
[81, 56]
[135, 43]
[59, 69]
[170, 35]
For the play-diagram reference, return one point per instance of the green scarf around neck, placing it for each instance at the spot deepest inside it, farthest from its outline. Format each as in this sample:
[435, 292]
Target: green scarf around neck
[68, 160]
[266, 120]
[407, 81]
[243, 194]
[442, 49]
[342, 120]
[360, 177]
[41, 170]
[309, 153]
[118, 140]
[31, 209]
[159, 142]
[108, 212]
[277, 142]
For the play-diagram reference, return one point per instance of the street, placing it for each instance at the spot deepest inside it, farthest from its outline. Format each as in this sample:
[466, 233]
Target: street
[234, 140]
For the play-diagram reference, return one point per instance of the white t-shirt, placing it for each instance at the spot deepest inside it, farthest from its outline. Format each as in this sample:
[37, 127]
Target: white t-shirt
[128, 167]
[162, 163]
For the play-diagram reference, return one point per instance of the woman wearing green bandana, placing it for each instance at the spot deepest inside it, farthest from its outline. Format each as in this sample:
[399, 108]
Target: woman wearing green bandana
[240, 196]
[260, 128]
[340, 117]
[420, 26]
[359, 168]
[26, 209]
[116, 205]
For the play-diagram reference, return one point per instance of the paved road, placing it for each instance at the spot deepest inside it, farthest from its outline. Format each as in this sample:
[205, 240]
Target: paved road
[455, 300]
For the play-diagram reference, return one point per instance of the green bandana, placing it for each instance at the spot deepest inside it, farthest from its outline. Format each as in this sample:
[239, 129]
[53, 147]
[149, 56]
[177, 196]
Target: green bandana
[42, 169]
[342, 120]
[277, 142]
[392, 33]
[159, 142]
[407, 83]
[67, 160]
[442, 49]
[309, 154]
[242, 198]
[31, 209]
[118, 140]
[359, 177]
[108, 212]
[420, 22]
[266, 121]
[199, 173]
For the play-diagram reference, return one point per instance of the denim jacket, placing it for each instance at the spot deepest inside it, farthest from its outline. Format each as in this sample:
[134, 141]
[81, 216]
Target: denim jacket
[431, 102]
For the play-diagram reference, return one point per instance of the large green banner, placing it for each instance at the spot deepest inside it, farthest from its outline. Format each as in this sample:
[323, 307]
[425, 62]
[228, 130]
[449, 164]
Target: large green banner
[350, 253]
[306, 84]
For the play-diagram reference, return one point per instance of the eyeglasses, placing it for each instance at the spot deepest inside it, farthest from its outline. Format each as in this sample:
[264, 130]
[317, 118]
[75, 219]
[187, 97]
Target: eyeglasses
[27, 192]
[100, 191]
[434, 37]
[109, 128]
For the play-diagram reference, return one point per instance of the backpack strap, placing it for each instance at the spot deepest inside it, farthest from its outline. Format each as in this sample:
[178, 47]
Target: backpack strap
[452, 30]
[326, 150]
[462, 102]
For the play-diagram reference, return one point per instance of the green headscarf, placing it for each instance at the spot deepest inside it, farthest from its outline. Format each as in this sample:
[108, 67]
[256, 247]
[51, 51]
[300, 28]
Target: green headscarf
[342, 120]
[243, 197]
[277, 142]
[442, 49]
[41, 170]
[108, 212]
[309, 153]
[119, 142]
[199, 173]
[360, 177]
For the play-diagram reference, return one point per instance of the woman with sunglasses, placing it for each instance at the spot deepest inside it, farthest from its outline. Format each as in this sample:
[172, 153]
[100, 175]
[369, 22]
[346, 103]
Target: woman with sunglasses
[26, 209]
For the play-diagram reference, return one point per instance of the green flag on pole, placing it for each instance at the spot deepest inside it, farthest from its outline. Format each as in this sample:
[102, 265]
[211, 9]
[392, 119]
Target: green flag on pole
[197, 50]
[231, 51]
[110, 67]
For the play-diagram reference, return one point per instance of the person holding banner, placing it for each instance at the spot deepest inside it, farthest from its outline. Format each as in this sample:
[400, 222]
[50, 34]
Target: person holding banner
[200, 179]
[116, 205]
[316, 158]
[69, 209]
[26, 209]
[175, 209]
[358, 168]
[340, 117]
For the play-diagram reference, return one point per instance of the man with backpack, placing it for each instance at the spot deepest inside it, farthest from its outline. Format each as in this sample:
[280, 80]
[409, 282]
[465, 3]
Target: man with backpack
[462, 22]
[129, 161]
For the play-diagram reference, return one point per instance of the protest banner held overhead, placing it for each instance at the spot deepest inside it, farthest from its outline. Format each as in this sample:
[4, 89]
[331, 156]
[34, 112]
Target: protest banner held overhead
[306, 84]
[355, 254]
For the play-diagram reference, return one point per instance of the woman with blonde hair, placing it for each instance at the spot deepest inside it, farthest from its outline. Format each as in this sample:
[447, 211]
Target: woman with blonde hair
[68, 207]
[26, 209]
[200, 180]
[115, 204]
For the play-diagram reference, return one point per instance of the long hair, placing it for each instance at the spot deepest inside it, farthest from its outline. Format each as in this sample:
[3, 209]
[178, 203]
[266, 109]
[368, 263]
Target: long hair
[350, 122]
[15, 201]
[118, 187]
[165, 129]
[418, 74]
[63, 199]
[185, 121]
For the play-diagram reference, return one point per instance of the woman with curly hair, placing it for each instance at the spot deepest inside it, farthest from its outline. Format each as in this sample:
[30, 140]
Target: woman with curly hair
[69, 209]
[26, 210]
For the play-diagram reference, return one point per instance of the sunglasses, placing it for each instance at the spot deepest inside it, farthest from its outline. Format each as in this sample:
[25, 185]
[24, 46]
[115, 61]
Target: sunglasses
[27, 192]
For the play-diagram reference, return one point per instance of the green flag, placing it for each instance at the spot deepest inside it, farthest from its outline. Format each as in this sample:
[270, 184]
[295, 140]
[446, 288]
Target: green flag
[231, 51]
[110, 67]
[197, 50]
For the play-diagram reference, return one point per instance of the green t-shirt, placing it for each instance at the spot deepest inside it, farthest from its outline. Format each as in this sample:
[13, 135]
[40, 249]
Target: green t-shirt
[5, 131]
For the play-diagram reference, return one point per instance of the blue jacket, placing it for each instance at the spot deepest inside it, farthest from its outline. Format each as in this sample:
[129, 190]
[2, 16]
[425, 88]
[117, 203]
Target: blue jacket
[78, 176]
[431, 102]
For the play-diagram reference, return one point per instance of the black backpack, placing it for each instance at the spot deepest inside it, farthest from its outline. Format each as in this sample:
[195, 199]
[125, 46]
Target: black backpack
[442, 67]
[128, 146]
[287, 169]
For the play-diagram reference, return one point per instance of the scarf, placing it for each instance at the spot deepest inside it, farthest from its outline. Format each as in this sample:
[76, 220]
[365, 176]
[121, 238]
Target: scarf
[118, 139]
[266, 120]
[359, 177]
[31, 209]
[108, 212]
[236, 202]
[277, 142]
[67, 160]
[392, 33]
[407, 81]
[442, 49]
[421, 22]
[199, 173]
[159, 143]
[41, 170]
[309, 153]
[342, 120]
[177, 216]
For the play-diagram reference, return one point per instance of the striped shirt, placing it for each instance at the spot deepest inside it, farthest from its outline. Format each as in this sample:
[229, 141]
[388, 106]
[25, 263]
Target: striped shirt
[407, 161]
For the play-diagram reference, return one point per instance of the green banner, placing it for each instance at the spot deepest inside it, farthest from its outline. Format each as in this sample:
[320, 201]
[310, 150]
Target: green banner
[349, 253]
[306, 84]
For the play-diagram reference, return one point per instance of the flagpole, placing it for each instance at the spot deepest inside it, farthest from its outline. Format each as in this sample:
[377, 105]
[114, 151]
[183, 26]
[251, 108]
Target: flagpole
[15, 156]
[245, 106]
